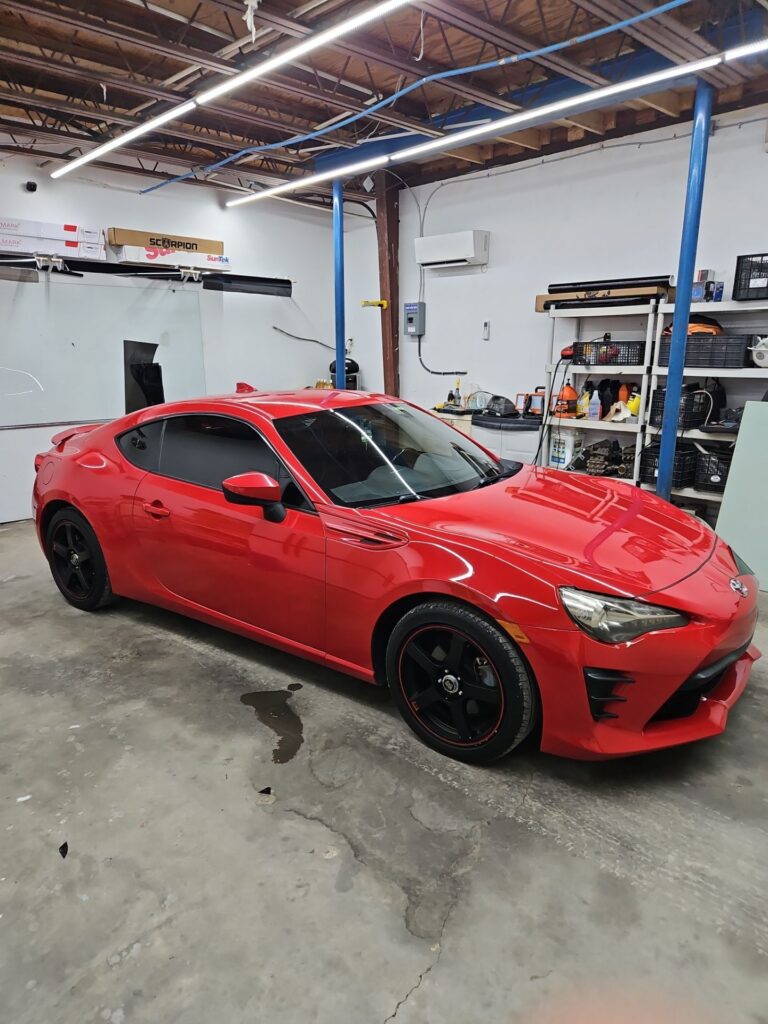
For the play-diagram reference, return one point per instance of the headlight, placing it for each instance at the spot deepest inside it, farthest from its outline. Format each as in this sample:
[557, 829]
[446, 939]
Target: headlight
[615, 620]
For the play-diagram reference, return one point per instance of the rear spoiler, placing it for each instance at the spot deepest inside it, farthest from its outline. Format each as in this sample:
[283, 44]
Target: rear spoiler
[60, 439]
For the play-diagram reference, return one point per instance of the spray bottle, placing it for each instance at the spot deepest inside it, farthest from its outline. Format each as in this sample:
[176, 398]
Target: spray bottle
[595, 406]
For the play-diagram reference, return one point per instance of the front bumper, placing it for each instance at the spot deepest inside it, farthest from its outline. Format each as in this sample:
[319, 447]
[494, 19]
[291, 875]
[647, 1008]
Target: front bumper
[659, 693]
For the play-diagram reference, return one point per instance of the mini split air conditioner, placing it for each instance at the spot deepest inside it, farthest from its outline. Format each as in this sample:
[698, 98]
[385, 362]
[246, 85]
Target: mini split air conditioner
[461, 249]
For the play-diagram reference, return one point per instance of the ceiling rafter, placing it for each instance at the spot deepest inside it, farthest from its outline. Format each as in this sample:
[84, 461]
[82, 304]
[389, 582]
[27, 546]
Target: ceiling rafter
[102, 27]
[192, 57]
[85, 70]
[364, 47]
[665, 34]
[26, 100]
[114, 83]
[512, 42]
[181, 159]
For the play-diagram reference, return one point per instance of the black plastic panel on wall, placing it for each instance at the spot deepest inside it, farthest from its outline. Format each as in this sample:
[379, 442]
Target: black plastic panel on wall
[210, 282]
[249, 285]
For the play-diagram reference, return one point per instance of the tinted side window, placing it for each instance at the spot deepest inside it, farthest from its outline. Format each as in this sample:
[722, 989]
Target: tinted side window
[206, 450]
[141, 446]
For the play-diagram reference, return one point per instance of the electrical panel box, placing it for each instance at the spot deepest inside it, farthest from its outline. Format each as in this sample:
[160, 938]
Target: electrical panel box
[415, 319]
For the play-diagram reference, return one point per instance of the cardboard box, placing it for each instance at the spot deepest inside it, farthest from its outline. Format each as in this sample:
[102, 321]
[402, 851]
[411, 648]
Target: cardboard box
[24, 245]
[168, 257]
[46, 229]
[120, 237]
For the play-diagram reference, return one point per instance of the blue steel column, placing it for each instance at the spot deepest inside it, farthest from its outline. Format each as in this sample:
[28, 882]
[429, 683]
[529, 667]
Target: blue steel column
[702, 119]
[338, 268]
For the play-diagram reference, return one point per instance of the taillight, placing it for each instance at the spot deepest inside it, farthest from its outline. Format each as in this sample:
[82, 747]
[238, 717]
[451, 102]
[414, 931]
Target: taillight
[39, 461]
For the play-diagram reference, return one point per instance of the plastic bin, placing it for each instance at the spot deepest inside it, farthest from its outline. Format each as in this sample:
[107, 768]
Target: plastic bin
[751, 281]
[608, 353]
[712, 470]
[683, 470]
[694, 408]
[724, 351]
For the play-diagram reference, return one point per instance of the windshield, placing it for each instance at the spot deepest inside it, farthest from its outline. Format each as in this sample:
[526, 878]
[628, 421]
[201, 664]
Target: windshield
[382, 454]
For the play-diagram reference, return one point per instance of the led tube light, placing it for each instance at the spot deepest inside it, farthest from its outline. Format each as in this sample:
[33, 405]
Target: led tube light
[494, 127]
[747, 50]
[314, 179]
[126, 138]
[290, 56]
[301, 49]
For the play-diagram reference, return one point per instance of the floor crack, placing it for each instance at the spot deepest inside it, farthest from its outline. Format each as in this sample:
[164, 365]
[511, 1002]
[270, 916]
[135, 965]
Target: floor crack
[438, 948]
[354, 849]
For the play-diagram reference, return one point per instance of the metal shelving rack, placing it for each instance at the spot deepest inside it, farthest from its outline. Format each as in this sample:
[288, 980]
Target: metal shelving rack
[656, 316]
[642, 319]
[744, 317]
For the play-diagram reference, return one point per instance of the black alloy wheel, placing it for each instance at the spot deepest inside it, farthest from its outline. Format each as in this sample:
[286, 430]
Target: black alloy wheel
[72, 562]
[459, 682]
[77, 562]
[451, 685]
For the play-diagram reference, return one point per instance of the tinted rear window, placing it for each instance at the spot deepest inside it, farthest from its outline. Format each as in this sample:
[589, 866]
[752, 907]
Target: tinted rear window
[141, 446]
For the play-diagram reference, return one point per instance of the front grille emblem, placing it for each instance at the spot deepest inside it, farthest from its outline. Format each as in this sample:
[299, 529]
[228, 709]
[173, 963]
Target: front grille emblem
[739, 588]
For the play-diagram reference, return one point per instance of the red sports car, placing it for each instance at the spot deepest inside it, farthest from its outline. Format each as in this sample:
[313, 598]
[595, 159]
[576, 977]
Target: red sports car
[361, 532]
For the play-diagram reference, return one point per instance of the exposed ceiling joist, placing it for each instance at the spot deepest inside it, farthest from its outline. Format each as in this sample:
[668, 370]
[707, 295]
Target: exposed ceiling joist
[337, 99]
[182, 160]
[102, 27]
[86, 70]
[367, 49]
[129, 86]
[664, 34]
[25, 101]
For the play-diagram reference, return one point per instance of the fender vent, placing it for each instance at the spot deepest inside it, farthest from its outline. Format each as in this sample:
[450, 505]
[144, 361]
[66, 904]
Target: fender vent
[601, 683]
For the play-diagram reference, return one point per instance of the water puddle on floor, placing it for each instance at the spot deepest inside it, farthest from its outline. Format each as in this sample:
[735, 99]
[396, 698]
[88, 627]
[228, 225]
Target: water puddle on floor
[273, 709]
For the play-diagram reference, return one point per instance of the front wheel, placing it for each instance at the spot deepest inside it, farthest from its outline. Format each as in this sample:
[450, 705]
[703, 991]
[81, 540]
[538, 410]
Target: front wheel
[460, 683]
[77, 561]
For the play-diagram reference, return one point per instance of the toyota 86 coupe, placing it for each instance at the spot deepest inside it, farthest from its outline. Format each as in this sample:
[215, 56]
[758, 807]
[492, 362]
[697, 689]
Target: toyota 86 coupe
[359, 531]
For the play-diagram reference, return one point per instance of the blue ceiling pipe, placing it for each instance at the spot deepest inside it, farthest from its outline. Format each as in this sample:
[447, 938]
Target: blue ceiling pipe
[702, 123]
[338, 281]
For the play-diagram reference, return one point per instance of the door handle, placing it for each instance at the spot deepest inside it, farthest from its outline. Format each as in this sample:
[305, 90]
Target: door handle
[156, 510]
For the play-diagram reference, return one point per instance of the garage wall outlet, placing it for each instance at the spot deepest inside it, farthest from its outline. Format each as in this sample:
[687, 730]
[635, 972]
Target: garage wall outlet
[486, 330]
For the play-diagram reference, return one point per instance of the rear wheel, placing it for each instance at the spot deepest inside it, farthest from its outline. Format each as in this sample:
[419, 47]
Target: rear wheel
[460, 683]
[77, 561]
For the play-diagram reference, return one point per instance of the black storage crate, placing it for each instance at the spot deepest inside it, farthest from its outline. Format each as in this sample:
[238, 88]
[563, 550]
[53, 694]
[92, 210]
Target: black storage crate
[608, 353]
[712, 470]
[694, 407]
[751, 277]
[683, 470]
[723, 351]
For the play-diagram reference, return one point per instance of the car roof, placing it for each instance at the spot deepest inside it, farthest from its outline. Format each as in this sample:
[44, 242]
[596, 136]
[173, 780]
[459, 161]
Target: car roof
[279, 404]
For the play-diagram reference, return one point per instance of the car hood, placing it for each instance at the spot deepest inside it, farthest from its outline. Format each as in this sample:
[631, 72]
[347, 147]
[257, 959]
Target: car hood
[593, 532]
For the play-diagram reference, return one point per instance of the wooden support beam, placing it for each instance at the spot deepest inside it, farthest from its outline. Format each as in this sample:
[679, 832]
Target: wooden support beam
[388, 231]
[667, 102]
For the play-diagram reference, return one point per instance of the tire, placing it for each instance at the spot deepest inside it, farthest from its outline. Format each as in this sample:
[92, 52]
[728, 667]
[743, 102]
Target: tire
[77, 561]
[460, 683]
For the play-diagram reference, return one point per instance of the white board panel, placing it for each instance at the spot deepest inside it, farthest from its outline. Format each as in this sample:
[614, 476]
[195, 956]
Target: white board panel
[742, 516]
[61, 346]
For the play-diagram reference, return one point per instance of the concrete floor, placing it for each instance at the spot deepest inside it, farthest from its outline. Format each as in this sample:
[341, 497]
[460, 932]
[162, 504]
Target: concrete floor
[377, 881]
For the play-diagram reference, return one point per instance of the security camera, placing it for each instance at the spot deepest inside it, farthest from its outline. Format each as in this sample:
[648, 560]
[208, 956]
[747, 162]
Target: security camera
[30, 186]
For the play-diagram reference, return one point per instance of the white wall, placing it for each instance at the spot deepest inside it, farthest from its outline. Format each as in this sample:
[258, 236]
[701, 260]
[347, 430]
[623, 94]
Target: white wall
[611, 212]
[267, 239]
[234, 331]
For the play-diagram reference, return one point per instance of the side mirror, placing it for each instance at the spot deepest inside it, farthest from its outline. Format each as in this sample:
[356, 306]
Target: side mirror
[256, 489]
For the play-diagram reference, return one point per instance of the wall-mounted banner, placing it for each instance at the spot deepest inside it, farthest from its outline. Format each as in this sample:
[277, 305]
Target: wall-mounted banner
[168, 257]
[162, 240]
